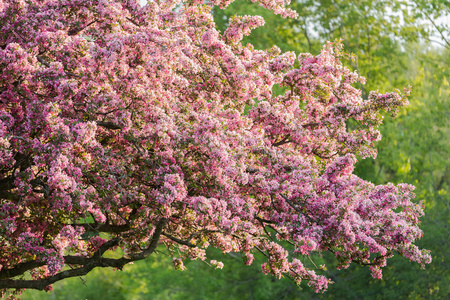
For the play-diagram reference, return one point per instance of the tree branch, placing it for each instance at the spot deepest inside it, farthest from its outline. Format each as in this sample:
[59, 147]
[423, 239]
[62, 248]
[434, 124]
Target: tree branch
[109, 125]
[265, 221]
[42, 61]
[88, 263]
[133, 22]
[434, 24]
[285, 140]
[291, 204]
[179, 241]
[20, 268]
[76, 30]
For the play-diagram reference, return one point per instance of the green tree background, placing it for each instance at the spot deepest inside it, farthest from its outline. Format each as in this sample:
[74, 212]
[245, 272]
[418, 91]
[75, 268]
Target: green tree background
[396, 43]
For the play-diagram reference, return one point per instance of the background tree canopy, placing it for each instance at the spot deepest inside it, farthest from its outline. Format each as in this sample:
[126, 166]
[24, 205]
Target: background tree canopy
[396, 43]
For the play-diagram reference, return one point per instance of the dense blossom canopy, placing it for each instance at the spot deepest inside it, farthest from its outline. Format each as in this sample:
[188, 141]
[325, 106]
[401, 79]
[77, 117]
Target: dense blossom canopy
[136, 127]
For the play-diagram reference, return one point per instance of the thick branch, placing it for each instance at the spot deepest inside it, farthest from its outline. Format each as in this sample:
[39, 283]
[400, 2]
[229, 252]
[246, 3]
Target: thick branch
[179, 241]
[42, 61]
[88, 263]
[153, 244]
[19, 269]
[109, 125]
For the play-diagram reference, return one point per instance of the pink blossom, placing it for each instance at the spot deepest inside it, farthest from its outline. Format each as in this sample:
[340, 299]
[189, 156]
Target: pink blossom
[127, 126]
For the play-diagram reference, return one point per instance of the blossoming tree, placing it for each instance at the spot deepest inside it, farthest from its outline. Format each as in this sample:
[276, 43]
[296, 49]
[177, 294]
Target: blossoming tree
[139, 127]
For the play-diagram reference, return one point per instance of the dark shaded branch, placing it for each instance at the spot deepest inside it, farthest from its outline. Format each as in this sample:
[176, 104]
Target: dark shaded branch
[291, 204]
[154, 242]
[37, 182]
[88, 263]
[75, 30]
[285, 140]
[41, 284]
[133, 22]
[20, 268]
[265, 220]
[109, 125]
[109, 244]
[42, 61]
[179, 241]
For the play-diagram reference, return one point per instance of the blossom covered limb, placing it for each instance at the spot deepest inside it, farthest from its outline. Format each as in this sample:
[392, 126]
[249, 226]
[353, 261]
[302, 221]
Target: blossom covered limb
[87, 264]
[133, 127]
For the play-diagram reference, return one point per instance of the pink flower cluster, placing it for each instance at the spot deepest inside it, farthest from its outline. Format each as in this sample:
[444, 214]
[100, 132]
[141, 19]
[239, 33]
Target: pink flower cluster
[240, 26]
[115, 118]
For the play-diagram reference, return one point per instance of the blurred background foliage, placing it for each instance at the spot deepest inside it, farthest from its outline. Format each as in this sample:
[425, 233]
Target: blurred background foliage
[397, 43]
